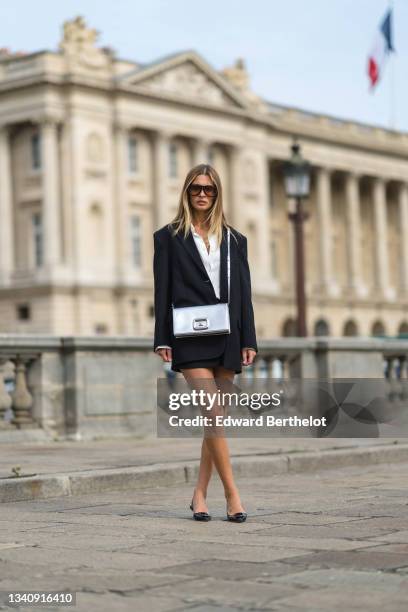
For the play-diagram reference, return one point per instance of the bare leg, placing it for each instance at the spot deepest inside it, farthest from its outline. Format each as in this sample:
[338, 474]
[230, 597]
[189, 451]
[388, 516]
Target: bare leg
[216, 447]
[204, 476]
[231, 492]
[206, 462]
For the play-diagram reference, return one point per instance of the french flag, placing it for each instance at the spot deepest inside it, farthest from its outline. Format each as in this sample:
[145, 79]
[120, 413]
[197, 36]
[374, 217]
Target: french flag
[382, 47]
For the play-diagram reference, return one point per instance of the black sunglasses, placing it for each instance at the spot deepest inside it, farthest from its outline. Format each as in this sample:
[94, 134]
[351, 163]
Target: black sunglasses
[209, 190]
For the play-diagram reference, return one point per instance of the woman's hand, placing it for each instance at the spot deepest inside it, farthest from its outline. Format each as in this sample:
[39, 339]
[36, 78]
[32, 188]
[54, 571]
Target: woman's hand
[165, 354]
[248, 356]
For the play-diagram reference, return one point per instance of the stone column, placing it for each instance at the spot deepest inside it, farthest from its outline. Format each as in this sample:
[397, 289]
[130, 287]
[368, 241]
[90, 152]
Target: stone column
[354, 234]
[403, 221]
[120, 136]
[234, 199]
[51, 193]
[73, 190]
[67, 240]
[6, 208]
[161, 141]
[264, 263]
[381, 236]
[324, 212]
[200, 151]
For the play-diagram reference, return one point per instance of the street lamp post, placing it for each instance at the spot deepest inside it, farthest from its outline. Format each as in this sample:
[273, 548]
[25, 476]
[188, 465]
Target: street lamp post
[297, 186]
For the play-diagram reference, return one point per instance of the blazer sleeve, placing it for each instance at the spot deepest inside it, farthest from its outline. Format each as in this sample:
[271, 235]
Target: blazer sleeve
[248, 334]
[162, 292]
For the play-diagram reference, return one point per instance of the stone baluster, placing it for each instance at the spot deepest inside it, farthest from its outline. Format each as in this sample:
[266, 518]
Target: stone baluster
[402, 386]
[391, 375]
[285, 367]
[22, 398]
[266, 366]
[5, 397]
[258, 367]
[276, 368]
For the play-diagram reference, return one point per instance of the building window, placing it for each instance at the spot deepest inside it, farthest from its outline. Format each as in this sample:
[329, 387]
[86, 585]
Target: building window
[35, 151]
[173, 169]
[403, 330]
[378, 329]
[23, 312]
[136, 240]
[289, 328]
[37, 229]
[321, 328]
[350, 329]
[211, 156]
[151, 311]
[133, 159]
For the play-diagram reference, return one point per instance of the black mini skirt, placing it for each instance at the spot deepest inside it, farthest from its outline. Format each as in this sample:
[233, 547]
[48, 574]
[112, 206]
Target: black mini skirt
[205, 363]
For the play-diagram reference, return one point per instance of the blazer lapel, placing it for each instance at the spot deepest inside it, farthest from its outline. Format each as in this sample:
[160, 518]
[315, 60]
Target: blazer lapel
[191, 248]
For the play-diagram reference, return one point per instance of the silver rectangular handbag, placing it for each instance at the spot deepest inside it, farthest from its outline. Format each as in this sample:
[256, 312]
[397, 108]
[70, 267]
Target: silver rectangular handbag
[205, 320]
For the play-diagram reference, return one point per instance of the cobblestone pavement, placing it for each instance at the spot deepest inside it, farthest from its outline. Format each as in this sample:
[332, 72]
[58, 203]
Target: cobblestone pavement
[327, 541]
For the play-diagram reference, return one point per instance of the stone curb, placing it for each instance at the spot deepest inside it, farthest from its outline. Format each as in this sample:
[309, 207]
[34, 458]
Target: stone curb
[162, 474]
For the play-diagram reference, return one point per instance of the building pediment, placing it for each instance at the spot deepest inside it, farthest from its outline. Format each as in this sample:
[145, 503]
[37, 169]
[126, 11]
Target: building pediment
[188, 77]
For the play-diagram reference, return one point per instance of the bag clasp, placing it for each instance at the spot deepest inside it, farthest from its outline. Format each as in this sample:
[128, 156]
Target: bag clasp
[200, 323]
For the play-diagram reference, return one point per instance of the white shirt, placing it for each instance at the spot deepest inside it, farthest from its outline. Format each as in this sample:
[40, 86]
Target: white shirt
[211, 261]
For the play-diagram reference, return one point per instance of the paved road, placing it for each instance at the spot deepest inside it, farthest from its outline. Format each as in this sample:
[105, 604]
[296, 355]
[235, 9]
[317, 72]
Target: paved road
[328, 541]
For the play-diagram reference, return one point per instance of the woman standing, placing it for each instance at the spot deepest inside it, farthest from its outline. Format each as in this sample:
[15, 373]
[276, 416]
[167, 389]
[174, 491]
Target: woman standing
[190, 269]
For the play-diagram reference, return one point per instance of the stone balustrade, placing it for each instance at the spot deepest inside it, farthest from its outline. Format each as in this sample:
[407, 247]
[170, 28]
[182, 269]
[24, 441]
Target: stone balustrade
[83, 387]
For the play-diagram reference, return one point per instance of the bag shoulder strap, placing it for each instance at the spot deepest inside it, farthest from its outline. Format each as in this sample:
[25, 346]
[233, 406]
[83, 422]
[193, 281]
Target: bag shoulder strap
[228, 265]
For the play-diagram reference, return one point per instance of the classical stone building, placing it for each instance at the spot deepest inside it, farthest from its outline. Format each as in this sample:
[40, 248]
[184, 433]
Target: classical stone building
[94, 150]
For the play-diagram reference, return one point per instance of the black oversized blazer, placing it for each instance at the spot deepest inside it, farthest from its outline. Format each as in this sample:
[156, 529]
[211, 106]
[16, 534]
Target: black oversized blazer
[181, 278]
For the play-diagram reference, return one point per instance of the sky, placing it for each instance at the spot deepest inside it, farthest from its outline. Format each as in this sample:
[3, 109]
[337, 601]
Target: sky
[310, 54]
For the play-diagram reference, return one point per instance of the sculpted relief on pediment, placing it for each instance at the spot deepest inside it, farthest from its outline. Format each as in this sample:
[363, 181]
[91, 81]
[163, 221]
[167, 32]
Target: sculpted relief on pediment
[188, 81]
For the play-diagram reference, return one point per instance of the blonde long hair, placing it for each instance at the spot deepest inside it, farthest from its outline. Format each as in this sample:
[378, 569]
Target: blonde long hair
[215, 217]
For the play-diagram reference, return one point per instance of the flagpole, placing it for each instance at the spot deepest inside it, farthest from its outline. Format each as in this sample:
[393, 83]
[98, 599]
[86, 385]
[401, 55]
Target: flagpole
[392, 118]
[392, 101]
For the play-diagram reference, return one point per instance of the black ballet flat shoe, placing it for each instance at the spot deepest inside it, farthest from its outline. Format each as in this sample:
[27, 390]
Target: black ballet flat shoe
[200, 516]
[238, 517]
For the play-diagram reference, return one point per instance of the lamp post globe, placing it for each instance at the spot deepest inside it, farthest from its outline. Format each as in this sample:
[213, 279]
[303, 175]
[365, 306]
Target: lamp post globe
[297, 174]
